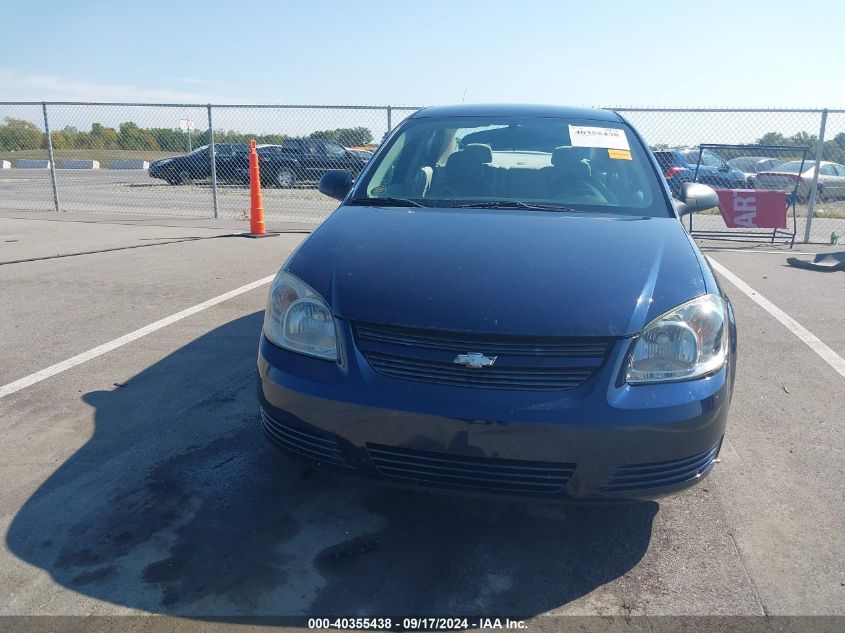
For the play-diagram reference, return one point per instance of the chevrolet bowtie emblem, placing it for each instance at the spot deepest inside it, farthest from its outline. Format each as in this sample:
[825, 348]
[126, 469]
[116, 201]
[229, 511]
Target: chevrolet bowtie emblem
[474, 360]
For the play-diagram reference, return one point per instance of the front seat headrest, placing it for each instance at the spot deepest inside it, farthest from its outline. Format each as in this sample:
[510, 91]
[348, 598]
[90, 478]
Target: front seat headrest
[571, 159]
[463, 165]
[484, 152]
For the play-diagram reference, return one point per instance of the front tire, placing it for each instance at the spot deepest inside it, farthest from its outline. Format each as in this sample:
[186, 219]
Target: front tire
[285, 179]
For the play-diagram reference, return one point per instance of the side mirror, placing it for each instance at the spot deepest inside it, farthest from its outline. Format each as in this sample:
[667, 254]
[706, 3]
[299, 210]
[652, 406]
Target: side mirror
[694, 197]
[336, 183]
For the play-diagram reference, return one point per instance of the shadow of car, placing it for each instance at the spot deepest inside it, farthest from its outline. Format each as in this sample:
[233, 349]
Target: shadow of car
[176, 505]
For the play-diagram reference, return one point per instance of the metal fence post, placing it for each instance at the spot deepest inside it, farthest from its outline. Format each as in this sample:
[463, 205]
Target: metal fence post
[389, 118]
[213, 160]
[50, 156]
[811, 205]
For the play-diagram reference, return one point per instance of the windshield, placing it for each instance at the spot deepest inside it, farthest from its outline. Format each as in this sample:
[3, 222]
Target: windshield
[744, 164]
[793, 167]
[577, 164]
[753, 163]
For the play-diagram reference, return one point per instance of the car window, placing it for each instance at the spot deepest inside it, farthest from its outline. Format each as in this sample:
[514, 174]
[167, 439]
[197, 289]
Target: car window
[794, 166]
[745, 164]
[292, 145]
[583, 164]
[692, 158]
[840, 170]
[709, 159]
[668, 159]
[333, 149]
[827, 170]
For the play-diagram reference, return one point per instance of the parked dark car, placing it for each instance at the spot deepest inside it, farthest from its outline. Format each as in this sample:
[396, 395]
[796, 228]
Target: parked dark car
[505, 301]
[363, 154]
[180, 170]
[299, 160]
[678, 167]
[753, 165]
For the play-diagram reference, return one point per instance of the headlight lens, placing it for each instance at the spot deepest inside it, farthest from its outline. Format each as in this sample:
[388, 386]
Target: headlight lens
[298, 319]
[686, 342]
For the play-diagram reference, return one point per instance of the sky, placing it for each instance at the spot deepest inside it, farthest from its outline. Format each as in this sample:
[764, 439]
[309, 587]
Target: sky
[706, 53]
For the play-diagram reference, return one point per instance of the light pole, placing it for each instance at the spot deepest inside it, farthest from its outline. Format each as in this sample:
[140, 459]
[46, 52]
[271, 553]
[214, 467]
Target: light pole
[187, 126]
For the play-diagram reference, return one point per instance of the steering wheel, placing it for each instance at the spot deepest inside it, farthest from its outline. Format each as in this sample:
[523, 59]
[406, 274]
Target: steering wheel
[579, 188]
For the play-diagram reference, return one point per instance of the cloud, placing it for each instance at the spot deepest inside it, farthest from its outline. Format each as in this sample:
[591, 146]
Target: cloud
[17, 86]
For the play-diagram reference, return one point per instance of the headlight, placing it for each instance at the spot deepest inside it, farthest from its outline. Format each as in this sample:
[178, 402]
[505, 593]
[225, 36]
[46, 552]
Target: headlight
[686, 342]
[298, 319]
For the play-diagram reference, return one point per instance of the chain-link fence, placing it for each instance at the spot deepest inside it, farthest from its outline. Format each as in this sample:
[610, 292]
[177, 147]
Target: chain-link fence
[155, 159]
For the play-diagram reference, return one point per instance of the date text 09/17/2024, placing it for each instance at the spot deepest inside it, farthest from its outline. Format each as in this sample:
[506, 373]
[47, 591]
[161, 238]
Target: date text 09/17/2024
[415, 624]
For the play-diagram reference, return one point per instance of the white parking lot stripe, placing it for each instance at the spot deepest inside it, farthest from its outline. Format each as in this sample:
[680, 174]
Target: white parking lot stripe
[52, 370]
[717, 249]
[828, 355]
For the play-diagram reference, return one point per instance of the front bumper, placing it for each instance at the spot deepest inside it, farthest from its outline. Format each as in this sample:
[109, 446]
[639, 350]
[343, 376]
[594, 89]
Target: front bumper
[604, 439]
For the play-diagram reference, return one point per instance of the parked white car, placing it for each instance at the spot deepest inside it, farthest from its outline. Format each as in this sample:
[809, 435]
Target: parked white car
[831, 181]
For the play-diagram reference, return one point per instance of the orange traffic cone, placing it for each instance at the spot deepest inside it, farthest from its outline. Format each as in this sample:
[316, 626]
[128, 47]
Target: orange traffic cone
[256, 207]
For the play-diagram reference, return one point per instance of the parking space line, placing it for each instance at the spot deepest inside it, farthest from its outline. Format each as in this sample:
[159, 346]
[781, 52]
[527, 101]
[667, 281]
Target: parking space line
[716, 249]
[52, 370]
[811, 340]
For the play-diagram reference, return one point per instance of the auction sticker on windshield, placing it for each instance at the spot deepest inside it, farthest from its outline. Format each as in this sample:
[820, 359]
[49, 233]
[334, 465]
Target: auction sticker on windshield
[608, 137]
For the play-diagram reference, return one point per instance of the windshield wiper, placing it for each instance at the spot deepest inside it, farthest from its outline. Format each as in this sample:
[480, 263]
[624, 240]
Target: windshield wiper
[386, 202]
[513, 204]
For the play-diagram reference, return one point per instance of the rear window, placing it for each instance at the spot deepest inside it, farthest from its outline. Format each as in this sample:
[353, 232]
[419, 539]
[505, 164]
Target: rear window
[744, 164]
[669, 159]
[792, 167]
[581, 164]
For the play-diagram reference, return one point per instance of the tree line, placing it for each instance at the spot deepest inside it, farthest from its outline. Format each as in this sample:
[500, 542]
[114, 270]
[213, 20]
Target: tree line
[18, 134]
[833, 149]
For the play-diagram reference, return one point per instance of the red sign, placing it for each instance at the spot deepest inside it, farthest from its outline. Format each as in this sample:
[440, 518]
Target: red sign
[752, 208]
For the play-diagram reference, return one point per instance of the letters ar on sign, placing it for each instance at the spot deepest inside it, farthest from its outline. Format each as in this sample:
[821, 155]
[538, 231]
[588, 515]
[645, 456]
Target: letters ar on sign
[752, 208]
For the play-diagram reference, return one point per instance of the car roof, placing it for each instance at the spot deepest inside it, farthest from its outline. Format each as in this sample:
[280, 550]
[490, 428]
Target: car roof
[510, 109]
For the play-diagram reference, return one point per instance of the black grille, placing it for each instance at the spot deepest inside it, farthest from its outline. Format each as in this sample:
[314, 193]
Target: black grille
[442, 469]
[537, 378]
[323, 449]
[487, 344]
[522, 362]
[659, 474]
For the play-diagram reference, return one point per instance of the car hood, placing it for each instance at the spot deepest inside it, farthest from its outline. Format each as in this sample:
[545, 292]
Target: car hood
[500, 271]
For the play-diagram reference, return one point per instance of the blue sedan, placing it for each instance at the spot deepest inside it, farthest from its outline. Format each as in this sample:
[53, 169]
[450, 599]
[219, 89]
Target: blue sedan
[505, 301]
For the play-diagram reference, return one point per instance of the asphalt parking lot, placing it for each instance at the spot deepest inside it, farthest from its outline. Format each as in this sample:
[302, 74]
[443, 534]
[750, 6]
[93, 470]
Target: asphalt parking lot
[138, 481]
[128, 192]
